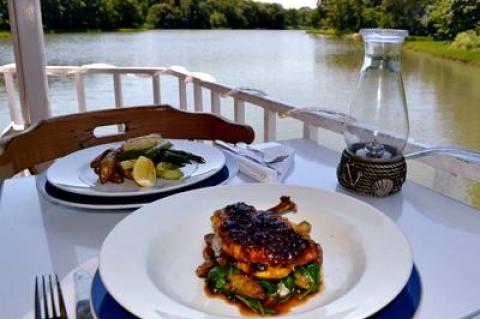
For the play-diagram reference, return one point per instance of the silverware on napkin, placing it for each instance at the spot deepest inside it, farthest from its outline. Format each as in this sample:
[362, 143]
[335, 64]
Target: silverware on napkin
[266, 163]
[252, 154]
[83, 284]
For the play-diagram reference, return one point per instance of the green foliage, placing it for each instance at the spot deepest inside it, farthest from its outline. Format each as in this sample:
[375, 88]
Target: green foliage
[467, 40]
[404, 14]
[4, 15]
[442, 19]
[351, 15]
[165, 16]
[218, 20]
[446, 18]
[127, 13]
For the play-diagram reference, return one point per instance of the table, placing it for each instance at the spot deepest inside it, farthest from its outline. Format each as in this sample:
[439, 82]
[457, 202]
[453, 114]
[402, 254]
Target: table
[38, 237]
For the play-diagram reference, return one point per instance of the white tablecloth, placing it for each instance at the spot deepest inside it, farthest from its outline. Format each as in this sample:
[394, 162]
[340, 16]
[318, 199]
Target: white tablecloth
[38, 237]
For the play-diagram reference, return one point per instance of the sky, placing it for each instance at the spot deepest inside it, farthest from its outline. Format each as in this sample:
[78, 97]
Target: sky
[294, 3]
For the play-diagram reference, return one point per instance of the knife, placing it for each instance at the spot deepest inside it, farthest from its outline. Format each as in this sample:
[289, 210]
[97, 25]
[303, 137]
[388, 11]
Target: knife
[83, 284]
[245, 153]
[240, 151]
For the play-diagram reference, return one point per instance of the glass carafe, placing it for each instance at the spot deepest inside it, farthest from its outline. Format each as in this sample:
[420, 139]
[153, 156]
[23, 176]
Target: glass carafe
[377, 126]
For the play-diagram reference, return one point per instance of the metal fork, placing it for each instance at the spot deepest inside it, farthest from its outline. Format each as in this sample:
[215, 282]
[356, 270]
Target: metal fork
[53, 297]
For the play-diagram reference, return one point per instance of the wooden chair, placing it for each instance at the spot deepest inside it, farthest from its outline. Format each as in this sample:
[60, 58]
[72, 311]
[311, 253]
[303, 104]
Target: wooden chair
[59, 136]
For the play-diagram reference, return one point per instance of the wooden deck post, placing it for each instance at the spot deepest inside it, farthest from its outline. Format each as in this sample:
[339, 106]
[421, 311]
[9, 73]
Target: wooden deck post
[28, 43]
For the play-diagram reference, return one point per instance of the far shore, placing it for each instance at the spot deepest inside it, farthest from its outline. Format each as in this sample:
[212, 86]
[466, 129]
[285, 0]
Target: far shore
[441, 49]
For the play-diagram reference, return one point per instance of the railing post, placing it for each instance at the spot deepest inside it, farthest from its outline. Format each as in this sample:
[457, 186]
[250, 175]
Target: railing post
[269, 125]
[310, 132]
[10, 88]
[182, 93]
[215, 100]
[239, 109]
[157, 93]
[117, 86]
[82, 106]
[198, 97]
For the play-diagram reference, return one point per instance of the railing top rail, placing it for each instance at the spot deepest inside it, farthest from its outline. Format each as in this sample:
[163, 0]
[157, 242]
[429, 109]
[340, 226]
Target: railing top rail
[92, 68]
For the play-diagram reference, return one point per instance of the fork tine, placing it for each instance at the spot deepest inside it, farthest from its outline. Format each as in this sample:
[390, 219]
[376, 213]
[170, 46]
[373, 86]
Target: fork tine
[52, 297]
[38, 311]
[61, 301]
[45, 304]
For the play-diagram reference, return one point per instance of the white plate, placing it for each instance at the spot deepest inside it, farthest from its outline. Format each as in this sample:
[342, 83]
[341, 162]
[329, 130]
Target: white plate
[148, 261]
[72, 173]
[230, 162]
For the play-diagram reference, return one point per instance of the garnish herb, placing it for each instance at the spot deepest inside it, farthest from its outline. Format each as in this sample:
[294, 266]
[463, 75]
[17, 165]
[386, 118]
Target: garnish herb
[314, 270]
[255, 305]
[217, 277]
[307, 278]
[304, 281]
[289, 283]
[270, 288]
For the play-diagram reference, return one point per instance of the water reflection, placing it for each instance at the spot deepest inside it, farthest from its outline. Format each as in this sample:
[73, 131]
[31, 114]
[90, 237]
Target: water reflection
[302, 69]
[447, 100]
[443, 96]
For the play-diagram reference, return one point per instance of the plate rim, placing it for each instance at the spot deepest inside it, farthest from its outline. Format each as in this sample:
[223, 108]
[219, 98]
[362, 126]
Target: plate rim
[230, 162]
[394, 290]
[90, 191]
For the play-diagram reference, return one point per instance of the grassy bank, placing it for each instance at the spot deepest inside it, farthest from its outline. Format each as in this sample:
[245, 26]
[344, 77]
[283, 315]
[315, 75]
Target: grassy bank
[335, 33]
[443, 49]
[140, 29]
[4, 34]
[329, 32]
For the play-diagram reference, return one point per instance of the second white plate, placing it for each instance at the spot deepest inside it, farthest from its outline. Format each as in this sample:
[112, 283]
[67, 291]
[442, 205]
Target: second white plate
[72, 173]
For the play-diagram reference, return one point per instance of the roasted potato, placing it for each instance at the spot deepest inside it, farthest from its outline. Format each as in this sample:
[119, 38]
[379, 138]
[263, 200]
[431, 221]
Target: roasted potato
[108, 166]
[245, 286]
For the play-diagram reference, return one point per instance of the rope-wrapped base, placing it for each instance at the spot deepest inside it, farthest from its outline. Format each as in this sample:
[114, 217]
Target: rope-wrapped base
[371, 177]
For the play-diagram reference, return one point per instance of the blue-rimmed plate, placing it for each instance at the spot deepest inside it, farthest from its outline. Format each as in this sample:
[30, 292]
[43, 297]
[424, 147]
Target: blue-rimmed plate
[403, 306]
[148, 260]
[66, 198]
[72, 173]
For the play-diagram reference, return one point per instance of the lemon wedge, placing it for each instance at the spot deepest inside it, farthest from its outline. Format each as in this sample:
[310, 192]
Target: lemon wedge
[144, 173]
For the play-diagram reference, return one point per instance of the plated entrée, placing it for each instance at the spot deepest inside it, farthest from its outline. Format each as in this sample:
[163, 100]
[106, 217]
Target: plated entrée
[142, 160]
[260, 260]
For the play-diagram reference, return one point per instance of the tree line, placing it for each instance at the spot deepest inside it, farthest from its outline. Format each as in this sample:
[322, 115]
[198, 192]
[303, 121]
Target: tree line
[165, 14]
[442, 19]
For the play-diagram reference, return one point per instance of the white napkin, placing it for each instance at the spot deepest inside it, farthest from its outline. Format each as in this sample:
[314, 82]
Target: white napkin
[268, 173]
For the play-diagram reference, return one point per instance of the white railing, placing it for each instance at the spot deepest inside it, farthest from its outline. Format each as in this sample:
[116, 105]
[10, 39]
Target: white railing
[202, 83]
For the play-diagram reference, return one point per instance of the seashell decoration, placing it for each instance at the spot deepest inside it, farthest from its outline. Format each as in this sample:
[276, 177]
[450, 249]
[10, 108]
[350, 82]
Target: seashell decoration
[382, 187]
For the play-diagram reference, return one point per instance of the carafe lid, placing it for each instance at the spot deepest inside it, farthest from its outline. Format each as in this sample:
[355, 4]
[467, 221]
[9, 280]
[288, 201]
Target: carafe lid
[384, 35]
